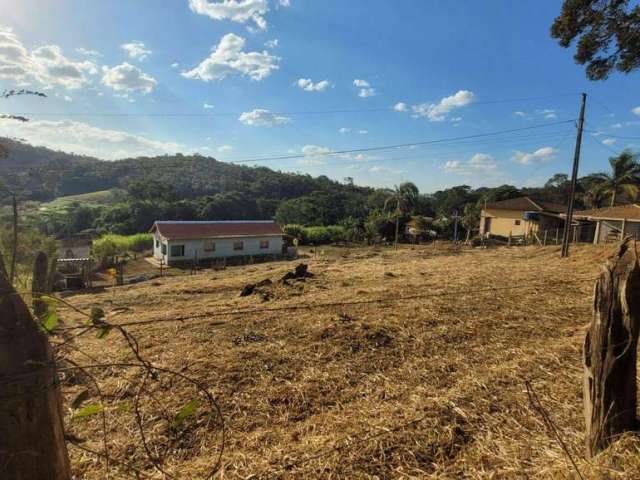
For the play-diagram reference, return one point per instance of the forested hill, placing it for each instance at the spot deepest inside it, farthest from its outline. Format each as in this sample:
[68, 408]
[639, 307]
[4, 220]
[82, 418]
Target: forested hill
[18, 157]
[47, 174]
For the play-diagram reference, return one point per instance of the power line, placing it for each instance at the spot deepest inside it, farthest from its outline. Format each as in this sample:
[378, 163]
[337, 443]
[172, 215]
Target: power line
[399, 145]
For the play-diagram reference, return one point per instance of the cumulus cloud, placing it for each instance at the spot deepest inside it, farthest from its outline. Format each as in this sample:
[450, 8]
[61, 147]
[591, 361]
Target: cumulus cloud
[126, 78]
[88, 52]
[175, 65]
[437, 112]
[307, 85]
[228, 58]
[136, 50]
[636, 111]
[539, 156]
[609, 141]
[45, 66]
[262, 118]
[284, 3]
[85, 139]
[478, 163]
[314, 154]
[400, 107]
[365, 88]
[239, 11]
[272, 43]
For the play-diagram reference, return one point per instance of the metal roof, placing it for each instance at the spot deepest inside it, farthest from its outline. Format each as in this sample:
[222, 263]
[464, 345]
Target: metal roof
[629, 212]
[226, 228]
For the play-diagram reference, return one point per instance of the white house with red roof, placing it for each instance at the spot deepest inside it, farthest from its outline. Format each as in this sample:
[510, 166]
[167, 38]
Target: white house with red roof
[183, 242]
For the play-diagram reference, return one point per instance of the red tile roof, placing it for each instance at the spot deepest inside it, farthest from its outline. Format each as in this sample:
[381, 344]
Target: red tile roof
[631, 212]
[527, 204]
[231, 228]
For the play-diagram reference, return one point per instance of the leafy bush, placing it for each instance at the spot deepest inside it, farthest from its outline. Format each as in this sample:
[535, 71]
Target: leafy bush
[109, 246]
[316, 235]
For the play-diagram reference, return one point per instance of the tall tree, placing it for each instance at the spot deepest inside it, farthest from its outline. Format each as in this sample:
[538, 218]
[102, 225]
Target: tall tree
[607, 33]
[404, 197]
[624, 178]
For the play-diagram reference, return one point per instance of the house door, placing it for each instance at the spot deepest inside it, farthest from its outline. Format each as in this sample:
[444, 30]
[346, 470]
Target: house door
[487, 225]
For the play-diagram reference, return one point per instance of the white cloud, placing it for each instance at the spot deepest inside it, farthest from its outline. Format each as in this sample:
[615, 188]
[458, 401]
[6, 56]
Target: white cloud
[478, 163]
[207, 106]
[482, 161]
[284, 3]
[88, 52]
[136, 50]
[636, 111]
[225, 148]
[400, 107]
[437, 112]
[228, 58]
[616, 125]
[344, 130]
[540, 155]
[272, 43]
[307, 85]
[126, 78]
[175, 65]
[314, 155]
[240, 11]
[262, 118]
[520, 113]
[45, 66]
[381, 169]
[363, 132]
[85, 139]
[365, 88]
[609, 141]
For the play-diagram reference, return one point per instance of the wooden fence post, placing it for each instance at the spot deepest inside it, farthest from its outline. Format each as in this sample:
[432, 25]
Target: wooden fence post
[32, 444]
[610, 351]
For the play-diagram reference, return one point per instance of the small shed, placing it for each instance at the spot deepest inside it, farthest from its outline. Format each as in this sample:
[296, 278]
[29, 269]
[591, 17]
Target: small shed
[180, 242]
[613, 223]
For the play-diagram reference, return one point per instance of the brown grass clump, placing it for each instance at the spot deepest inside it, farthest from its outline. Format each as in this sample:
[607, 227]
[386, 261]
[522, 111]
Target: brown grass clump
[432, 386]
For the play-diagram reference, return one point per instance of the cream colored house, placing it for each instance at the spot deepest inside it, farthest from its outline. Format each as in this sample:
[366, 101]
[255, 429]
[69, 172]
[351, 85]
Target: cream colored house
[520, 216]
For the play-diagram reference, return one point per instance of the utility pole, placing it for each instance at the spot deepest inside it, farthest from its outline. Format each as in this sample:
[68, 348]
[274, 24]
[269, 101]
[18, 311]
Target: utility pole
[455, 226]
[574, 179]
[14, 246]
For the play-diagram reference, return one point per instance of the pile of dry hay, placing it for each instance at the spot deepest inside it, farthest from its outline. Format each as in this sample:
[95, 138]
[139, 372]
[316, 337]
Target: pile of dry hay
[431, 386]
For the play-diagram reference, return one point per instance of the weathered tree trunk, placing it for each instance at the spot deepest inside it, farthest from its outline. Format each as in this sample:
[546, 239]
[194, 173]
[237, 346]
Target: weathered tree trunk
[610, 351]
[32, 444]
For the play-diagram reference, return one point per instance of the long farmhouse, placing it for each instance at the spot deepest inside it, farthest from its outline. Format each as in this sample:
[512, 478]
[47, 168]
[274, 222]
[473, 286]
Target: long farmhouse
[178, 242]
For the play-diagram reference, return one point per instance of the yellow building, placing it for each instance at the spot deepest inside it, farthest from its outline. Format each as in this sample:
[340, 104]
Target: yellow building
[520, 216]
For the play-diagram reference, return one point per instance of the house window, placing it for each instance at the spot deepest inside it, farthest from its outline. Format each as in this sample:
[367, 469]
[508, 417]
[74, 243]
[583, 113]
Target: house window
[177, 250]
[209, 246]
[238, 245]
[264, 244]
[157, 243]
[517, 222]
[164, 248]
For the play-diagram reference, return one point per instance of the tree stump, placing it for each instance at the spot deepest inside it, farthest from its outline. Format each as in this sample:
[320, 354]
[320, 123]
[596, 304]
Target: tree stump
[610, 351]
[32, 444]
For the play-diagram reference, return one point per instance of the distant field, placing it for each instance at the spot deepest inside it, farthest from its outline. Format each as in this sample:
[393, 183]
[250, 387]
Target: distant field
[102, 197]
[334, 377]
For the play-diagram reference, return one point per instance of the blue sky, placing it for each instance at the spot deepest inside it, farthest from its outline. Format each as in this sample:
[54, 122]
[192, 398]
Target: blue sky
[241, 79]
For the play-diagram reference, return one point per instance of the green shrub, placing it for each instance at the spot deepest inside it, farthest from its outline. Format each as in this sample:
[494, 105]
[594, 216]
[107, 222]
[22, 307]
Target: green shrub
[112, 245]
[324, 235]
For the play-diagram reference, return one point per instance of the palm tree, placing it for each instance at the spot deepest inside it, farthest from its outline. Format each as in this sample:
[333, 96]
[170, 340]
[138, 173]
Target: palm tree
[404, 197]
[624, 178]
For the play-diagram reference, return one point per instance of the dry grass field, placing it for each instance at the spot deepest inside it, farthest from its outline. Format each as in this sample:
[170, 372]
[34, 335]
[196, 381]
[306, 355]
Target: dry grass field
[420, 375]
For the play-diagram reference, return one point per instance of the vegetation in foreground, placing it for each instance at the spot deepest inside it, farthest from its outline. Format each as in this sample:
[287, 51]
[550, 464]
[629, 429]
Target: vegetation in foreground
[432, 386]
